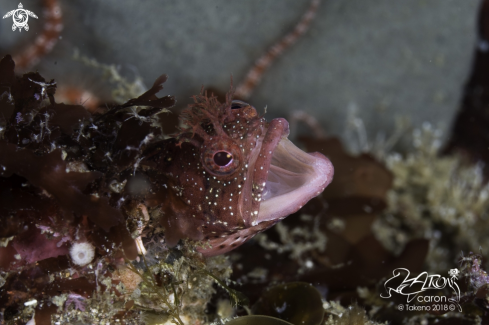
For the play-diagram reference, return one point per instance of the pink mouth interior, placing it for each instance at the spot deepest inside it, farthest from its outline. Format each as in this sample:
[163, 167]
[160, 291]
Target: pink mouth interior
[294, 178]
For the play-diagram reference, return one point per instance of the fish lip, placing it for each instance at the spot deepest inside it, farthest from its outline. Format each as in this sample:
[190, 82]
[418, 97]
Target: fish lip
[296, 177]
[277, 129]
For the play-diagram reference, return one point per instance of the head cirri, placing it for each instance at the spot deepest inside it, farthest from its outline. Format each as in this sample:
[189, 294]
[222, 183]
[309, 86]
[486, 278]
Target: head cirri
[229, 175]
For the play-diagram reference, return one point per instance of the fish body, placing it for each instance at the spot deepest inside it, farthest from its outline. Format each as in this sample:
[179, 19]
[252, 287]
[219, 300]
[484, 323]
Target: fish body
[229, 174]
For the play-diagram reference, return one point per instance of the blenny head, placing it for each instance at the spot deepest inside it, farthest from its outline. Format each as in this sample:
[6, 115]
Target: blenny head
[235, 173]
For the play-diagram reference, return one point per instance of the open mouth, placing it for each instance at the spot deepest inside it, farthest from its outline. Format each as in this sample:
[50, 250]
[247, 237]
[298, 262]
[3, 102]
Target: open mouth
[293, 179]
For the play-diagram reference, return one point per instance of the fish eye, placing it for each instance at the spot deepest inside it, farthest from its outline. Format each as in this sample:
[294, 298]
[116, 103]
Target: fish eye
[223, 158]
[237, 104]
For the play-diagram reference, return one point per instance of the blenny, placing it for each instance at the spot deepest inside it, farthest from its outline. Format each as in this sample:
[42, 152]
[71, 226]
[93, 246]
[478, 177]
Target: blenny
[229, 174]
[81, 192]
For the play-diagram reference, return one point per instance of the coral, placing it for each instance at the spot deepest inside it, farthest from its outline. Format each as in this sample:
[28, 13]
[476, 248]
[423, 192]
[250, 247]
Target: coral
[298, 241]
[181, 287]
[476, 278]
[77, 300]
[82, 253]
[129, 278]
[439, 198]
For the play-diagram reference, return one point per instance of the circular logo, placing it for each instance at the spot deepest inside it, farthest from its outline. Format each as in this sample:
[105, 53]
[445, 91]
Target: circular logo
[20, 17]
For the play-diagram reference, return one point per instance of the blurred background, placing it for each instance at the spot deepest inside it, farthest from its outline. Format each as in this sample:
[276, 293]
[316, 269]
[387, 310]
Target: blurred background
[382, 59]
